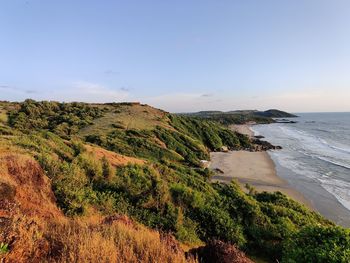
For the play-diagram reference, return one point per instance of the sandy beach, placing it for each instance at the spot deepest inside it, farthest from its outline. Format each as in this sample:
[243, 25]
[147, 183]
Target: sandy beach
[255, 168]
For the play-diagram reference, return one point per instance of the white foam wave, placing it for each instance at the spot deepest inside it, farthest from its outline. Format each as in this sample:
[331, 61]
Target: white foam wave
[319, 148]
[311, 156]
[333, 162]
[338, 188]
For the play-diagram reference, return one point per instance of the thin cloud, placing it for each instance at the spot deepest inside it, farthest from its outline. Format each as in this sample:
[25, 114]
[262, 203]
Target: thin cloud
[206, 95]
[90, 92]
[111, 72]
[125, 89]
[30, 91]
[17, 90]
[179, 102]
[6, 87]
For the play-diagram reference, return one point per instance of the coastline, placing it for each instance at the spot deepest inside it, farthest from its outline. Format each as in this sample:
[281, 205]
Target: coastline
[262, 175]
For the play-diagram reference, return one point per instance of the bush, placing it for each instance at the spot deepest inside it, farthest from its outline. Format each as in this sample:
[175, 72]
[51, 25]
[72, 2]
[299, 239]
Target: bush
[64, 119]
[318, 244]
[216, 223]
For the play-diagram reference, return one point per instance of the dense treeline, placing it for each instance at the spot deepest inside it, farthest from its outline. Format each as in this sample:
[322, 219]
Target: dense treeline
[235, 118]
[171, 191]
[64, 119]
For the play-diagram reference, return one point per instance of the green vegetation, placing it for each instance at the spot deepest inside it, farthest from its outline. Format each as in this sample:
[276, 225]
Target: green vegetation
[4, 248]
[64, 119]
[241, 117]
[171, 191]
[186, 139]
[318, 244]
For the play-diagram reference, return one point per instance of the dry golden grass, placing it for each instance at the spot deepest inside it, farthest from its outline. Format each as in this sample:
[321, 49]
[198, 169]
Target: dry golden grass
[113, 158]
[3, 115]
[24, 183]
[37, 231]
[35, 240]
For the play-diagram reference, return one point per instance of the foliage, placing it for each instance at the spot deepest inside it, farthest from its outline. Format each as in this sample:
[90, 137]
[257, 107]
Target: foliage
[64, 119]
[4, 248]
[318, 244]
[241, 117]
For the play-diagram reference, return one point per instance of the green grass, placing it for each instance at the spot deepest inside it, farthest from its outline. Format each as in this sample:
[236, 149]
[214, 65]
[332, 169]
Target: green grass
[4, 248]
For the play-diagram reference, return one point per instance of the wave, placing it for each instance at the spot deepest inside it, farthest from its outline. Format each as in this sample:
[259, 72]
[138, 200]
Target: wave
[315, 155]
[333, 162]
[322, 130]
[345, 150]
[339, 189]
[318, 147]
[346, 166]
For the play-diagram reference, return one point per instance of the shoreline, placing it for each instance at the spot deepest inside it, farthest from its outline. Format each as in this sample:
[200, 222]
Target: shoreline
[262, 175]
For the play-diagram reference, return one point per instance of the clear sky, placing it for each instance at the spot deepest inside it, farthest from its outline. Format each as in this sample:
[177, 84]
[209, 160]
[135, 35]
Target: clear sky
[179, 55]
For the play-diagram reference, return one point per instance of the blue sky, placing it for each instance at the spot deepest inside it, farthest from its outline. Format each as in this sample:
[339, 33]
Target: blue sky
[179, 55]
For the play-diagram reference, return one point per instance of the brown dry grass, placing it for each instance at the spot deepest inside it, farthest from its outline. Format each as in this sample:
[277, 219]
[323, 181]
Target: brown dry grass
[24, 183]
[3, 114]
[113, 158]
[35, 240]
[37, 231]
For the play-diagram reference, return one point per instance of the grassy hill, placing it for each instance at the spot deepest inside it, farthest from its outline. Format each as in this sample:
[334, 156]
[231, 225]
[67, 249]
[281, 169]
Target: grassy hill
[241, 116]
[134, 161]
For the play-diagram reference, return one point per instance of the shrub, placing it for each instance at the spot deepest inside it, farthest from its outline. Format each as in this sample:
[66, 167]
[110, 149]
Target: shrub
[64, 119]
[107, 170]
[318, 244]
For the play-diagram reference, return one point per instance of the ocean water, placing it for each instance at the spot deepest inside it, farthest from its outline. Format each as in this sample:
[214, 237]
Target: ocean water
[316, 149]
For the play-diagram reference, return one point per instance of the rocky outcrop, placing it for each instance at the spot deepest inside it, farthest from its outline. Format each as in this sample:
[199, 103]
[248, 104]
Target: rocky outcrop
[259, 145]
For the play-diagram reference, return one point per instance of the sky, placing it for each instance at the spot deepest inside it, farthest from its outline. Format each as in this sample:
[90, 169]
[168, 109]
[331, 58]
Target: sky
[179, 55]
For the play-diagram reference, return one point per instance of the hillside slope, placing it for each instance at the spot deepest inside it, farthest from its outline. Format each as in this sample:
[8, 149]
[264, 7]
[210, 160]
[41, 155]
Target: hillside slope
[35, 230]
[134, 160]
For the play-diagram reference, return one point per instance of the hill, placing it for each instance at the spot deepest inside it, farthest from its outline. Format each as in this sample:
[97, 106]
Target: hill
[140, 166]
[241, 116]
[275, 114]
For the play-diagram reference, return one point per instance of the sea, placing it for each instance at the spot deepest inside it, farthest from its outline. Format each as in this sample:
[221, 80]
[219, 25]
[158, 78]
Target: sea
[315, 159]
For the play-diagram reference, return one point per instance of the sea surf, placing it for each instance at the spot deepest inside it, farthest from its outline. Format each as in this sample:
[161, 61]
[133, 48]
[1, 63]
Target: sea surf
[315, 152]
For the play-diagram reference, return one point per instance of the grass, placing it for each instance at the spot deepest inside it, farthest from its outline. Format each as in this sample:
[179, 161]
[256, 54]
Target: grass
[89, 240]
[4, 248]
[36, 231]
[128, 117]
[3, 116]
